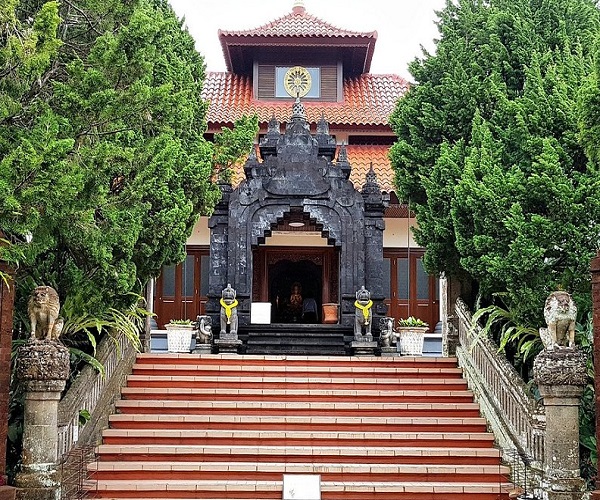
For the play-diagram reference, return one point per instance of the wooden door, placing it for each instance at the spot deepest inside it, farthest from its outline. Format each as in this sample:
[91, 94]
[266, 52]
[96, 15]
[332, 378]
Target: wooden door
[410, 291]
[181, 289]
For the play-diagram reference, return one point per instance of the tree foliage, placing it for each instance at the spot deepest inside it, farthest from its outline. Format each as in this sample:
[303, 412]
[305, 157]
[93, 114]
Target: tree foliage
[102, 156]
[489, 151]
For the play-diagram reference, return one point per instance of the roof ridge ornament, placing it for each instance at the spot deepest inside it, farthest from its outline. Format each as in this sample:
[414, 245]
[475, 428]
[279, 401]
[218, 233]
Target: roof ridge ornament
[298, 111]
[298, 7]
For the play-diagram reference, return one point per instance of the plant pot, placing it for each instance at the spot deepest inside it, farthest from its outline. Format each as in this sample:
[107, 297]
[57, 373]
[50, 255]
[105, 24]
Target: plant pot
[330, 313]
[410, 340]
[179, 337]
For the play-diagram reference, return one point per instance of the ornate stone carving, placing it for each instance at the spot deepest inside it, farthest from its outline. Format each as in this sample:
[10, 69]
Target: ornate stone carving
[204, 333]
[560, 367]
[42, 361]
[386, 329]
[363, 316]
[43, 308]
[560, 313]
[229, 316]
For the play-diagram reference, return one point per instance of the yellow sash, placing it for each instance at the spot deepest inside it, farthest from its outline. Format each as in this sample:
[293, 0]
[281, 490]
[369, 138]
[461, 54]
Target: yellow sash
[228, 308]
[365, 309]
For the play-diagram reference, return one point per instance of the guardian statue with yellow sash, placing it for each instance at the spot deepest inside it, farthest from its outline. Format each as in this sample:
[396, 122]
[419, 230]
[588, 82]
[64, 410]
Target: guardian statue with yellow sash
[229, 316]
[363, 316]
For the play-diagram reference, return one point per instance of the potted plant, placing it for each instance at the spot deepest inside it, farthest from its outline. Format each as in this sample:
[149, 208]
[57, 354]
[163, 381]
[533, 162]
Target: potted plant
[179, 335]
[411, 334]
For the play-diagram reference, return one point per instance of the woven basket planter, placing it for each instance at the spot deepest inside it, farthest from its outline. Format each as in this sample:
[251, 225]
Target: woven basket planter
[179, 337]
[410, 340]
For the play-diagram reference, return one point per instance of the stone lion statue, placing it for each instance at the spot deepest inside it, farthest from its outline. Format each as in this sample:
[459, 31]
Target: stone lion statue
[204, 330]
[386, 332]
[560, 313]
[229, 314]
[43, 307]
[363, 315]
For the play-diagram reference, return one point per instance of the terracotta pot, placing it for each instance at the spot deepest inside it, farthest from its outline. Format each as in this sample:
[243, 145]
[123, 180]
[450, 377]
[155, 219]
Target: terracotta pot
[330, 313]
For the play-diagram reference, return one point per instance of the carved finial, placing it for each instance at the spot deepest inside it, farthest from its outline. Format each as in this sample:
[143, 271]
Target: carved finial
[322, 125]
[273, 127]
[298, 7]
[298, 110]
[343, 153]
[371, 176]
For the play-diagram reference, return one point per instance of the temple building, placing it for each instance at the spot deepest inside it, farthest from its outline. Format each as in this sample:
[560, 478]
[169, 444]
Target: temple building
[313, 213]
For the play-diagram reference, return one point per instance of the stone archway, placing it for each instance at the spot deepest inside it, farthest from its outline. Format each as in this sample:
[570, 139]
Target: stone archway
[298, 174]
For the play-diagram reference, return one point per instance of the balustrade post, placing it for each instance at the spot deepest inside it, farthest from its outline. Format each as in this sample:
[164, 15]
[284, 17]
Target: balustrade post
[561, 376]
[43, 368]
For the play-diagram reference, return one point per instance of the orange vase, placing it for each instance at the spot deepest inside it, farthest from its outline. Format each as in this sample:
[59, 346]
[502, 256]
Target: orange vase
[330, 313]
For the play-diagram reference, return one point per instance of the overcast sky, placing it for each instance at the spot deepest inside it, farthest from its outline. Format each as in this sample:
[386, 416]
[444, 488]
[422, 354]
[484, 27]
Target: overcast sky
[402, 25]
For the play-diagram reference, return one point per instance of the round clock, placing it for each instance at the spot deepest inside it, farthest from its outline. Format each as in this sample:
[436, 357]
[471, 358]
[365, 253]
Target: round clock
[297, 81]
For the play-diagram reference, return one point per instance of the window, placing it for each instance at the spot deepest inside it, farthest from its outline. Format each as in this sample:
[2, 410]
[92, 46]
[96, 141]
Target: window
[315, 75]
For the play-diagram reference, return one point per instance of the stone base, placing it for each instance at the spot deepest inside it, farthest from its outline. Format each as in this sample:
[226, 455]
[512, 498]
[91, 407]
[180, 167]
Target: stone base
[202, 349]
[37, 482]
[387, 352]
[228, 346]
[363, 348]
[7, 493]
[38, 494]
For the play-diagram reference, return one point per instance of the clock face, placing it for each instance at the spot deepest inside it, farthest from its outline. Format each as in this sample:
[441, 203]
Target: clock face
[297, 81]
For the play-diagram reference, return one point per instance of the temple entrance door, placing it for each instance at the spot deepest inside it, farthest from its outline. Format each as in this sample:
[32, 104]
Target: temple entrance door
[410, 291]
[181, 289]
[280, 273]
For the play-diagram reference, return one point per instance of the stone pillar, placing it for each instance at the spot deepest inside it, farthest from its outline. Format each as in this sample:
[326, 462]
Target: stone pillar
[6, 321]
[596, 319]
[43, 368]
[561, 376]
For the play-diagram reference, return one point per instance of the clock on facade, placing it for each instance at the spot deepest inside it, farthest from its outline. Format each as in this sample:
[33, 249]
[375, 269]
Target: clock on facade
[297, 81]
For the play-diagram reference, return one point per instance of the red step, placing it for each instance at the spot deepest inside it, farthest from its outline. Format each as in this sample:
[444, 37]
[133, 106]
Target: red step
[229, 427]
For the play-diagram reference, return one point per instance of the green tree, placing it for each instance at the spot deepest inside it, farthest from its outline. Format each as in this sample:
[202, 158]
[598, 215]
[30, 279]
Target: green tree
[102, 155]
[489, 152]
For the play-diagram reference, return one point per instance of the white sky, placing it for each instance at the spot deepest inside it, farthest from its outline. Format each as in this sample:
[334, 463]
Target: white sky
[402, 25]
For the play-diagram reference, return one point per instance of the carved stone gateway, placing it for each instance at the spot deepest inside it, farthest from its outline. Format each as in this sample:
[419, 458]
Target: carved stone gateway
[298, 177]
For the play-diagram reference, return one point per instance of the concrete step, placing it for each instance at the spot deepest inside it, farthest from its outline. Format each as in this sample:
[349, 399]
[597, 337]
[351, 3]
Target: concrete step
[295, 438]
[288, 422]
[409, 409]
[288, 454]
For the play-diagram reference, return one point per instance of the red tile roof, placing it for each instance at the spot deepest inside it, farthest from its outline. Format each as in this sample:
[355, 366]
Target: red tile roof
[298, 23]
[368, 100]
[360, 158]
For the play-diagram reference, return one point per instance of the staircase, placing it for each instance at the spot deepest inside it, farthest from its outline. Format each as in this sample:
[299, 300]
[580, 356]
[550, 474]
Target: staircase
[229, 427]
[288, 339]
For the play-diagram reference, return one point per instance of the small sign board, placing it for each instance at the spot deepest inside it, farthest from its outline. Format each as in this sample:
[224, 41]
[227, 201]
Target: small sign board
[260, 313]
[302, 487]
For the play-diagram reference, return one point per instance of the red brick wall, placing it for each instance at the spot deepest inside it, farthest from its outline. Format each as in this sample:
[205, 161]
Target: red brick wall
[6, 319]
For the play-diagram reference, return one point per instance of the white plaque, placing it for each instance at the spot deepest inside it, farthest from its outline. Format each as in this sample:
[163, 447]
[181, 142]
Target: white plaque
[260, 313]
[302, 487]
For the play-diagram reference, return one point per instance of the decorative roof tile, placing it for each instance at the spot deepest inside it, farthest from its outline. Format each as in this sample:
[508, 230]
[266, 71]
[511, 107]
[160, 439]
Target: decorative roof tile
[298, 23]
[368, 100]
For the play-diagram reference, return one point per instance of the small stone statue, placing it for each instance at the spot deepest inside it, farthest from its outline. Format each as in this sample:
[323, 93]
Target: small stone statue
[363, 315]
[43, 308]
[560, 313]
[229, 311]
[386, 332]
[204, 330]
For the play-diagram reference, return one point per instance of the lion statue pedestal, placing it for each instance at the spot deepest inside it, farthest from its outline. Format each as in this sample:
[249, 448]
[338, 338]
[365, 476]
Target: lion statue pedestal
[228, 337]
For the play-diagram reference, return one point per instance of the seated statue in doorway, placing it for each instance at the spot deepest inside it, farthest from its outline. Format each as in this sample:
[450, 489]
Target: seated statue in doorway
[295, 303]
[229, 311]
[363, 315]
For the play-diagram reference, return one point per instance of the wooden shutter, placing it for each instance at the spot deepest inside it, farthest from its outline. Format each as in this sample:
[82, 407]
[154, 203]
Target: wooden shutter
[266, 81]
[329, 83]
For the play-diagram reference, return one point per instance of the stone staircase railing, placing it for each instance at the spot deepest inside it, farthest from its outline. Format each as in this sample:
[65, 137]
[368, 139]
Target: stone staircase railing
[517, 420]
[95, 393]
